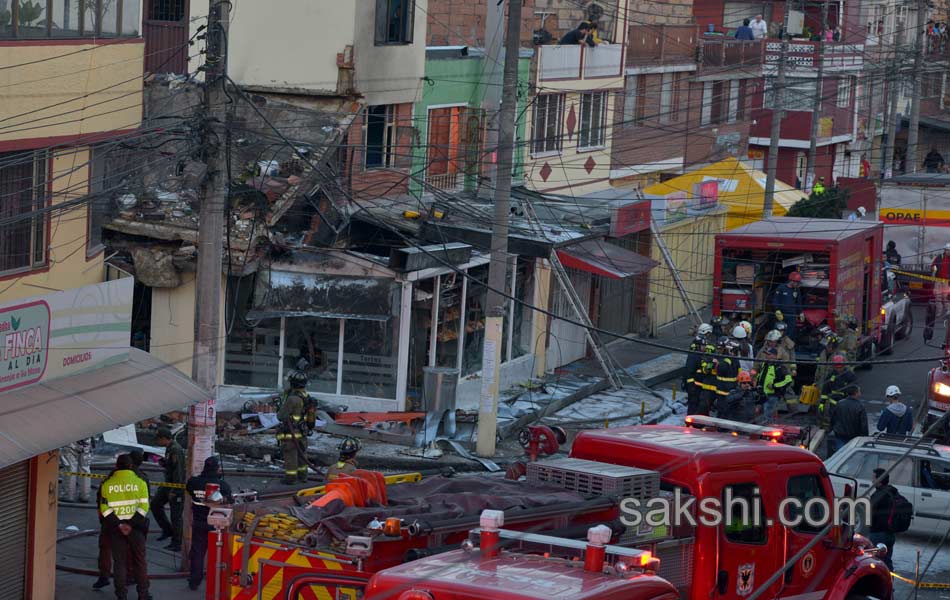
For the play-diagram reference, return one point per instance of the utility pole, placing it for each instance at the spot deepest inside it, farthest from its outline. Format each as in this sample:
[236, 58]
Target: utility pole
[498, 267]
[816, 104]
[491, 83]
[912, 129]
[893, 88]
[778, 113]
[204, 370]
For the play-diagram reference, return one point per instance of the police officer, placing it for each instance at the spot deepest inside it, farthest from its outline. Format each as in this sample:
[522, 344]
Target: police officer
[346, 463]
[787, 301]
[124, 507]
[835, 388]
[291, 430]
[174, 465]
[211, 473]
[105, 544]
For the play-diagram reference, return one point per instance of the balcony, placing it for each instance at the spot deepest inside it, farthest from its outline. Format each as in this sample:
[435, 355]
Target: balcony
[725, 52]
[652, 44]
[559, 63]
[805, 55]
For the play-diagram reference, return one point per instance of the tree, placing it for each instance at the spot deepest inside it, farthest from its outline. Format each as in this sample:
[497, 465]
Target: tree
[830, 204]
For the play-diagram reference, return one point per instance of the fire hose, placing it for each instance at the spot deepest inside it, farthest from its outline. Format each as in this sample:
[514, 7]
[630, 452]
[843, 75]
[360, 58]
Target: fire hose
[95, 572]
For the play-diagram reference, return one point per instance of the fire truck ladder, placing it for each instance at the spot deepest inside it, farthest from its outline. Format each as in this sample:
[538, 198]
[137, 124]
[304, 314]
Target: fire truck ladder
[668, 259]
[607, 362]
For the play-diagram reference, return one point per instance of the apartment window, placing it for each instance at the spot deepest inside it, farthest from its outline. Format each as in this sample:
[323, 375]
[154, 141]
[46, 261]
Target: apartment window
[166, 10]
[715, 95]
[733, 113]
[548, 109]
[593, 120]
[23, 184]
[666, 97]
[630, 104]
[379, 125]
[799, 93]
[451, 131]
[112, 167]
[706, 114]
[674, 113]
[28, 19]
[394, 21]
[844, 92]
[743, 100]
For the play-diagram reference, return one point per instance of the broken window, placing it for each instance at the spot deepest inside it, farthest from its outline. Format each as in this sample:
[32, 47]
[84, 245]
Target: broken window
[23, 187]
[380, 136]
[394, 21]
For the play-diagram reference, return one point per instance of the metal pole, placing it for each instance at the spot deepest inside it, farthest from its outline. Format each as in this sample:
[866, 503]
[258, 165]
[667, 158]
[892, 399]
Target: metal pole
[778, 113]
[495, 303]
[492, 84]
[201, 419]
[912, 130]
[816, 105]
[891, 118]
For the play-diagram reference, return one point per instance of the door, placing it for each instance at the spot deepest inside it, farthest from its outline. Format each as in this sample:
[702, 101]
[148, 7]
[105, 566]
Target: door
[811, 573]
[749, 549]
[861, 465]
[567, 342]
[14, 525]
[165, 30]
[932, 497]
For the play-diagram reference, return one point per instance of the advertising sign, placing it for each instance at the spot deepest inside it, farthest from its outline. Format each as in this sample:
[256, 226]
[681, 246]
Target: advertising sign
[56, 335]
[675, 207]
[629, 218]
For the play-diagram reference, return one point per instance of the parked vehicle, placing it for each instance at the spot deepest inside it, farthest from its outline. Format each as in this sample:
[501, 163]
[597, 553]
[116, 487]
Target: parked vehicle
[604, 469]
[923, 477]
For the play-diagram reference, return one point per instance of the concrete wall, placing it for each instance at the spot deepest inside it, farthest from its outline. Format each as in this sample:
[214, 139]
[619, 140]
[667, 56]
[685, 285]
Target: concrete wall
[389, 74]
[95, 87]
[173, 324]
[691, 243]
[44, 478]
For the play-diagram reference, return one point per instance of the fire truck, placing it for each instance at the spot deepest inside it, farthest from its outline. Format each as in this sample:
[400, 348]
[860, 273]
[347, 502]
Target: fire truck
[938, 393]
[610, 478]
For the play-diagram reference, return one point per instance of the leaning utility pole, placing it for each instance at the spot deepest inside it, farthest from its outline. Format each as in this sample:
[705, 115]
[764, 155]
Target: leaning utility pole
[498, 267]
[491, 84]
[912, 129]
[816, 104]
[894, 83]
[204, 369]
[778, 113]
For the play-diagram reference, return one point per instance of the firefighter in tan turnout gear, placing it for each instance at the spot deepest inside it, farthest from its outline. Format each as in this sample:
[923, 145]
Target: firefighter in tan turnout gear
[290, 433]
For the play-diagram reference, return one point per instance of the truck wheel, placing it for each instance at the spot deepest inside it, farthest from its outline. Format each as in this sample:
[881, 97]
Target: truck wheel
[907, 327]
[872, 352]
[887, 338]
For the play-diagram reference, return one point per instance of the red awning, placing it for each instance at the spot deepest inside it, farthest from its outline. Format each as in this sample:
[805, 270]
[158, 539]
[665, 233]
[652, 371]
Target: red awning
[605, 259]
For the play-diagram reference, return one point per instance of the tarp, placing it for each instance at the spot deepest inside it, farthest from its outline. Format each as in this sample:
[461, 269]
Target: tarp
[51, 414]
[605, 259]
[741, 190]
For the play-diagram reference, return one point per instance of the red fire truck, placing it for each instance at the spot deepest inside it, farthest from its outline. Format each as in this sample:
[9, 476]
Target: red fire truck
[608, 477]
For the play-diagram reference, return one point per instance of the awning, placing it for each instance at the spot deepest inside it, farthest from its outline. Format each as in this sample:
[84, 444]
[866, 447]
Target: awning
[292, 294]
[605, 259]
[51, 414]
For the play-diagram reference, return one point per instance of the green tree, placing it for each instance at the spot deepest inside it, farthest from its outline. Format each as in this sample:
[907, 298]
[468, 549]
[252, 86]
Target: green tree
[828, 205]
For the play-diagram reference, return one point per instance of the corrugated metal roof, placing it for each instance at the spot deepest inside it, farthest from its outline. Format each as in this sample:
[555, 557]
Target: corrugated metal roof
[805, 228]
[49, 415]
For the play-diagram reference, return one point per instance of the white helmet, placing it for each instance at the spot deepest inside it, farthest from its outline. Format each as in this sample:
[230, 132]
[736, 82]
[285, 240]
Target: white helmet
[892, 390]
[862, 211]
[704, 329]
[773, 336]
[946, 246]
[747, 326]
[739, 332]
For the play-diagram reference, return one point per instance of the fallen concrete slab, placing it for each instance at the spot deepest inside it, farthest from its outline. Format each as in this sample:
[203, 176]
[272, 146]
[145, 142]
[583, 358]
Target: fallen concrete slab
[660, 369]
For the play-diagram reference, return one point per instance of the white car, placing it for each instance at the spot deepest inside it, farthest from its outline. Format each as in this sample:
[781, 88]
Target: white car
[923, 477]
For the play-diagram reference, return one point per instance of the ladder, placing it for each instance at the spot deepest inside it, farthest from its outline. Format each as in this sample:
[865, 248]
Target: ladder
[668, 259]
[607, 362]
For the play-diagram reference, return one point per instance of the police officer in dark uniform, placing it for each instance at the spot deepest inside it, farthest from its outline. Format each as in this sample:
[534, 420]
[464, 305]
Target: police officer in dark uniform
[290, 435]
[174, 465]
[211, 473]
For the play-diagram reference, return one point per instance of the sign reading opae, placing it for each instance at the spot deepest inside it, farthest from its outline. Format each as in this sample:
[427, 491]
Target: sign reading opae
[25, 342]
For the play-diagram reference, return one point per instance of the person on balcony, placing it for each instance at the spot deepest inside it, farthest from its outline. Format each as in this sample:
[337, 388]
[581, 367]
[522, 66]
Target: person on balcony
[759, 27]
[744, 32]
[578, 36]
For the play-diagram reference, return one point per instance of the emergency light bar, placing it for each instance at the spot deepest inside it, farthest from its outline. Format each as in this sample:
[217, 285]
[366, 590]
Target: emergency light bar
[734, 427]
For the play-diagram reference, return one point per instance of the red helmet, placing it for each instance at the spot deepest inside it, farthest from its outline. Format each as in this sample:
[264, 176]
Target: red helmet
[838, 359]
[744, 377]
[795, 276]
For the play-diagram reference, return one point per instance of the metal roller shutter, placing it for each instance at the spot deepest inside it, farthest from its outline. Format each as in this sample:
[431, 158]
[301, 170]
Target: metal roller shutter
[14, 521]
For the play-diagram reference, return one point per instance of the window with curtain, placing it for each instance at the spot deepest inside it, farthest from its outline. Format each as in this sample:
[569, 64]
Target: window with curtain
[546, 130]
[23, 187]
[592, 131]
[394, 21]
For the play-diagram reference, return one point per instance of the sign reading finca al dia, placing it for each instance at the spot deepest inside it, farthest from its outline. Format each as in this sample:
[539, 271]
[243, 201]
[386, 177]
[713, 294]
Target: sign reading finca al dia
[25, 340]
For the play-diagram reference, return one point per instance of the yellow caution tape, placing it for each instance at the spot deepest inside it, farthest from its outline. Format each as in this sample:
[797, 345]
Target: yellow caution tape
[390, 480]
[177, 486]
[921, 276]
[922, 585]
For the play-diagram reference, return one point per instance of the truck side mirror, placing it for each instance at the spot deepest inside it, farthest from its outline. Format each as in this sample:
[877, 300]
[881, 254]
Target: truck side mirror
[722, 582]
[848, 490]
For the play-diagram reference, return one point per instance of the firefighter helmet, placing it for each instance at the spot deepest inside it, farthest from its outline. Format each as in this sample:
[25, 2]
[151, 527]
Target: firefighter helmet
[723, 342]
[795, 276]
[739, 332]
[744, 377]
[773, 336]
[747, 326]
[838, 360]
[704, 329]
[781, 326]
[349, 447]
[297, 379]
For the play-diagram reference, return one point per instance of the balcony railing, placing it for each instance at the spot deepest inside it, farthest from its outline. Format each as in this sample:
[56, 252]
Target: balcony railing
[580, 62]
[837, 56]
[725, 52]
[661, 43]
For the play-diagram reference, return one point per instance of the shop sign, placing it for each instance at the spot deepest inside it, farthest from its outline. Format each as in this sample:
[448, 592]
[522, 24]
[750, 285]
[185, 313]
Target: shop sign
[629, 218]
[25, 330]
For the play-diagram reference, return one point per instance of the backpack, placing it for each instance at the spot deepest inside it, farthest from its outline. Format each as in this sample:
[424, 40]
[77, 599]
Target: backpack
[902, 512]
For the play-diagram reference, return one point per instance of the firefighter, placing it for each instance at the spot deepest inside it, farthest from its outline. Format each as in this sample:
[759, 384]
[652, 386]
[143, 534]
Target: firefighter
[740, 403]
[705, 331]
[693, 370]
[787, 301]
[830, 343]
[774, 380]
[349, 448]
[123, 507]
[787, 342]
[290, 434]
[78, 459]
[773, 340]
[727, 368]
[174, 465]
[211, 473]
[718, 324]
[706, 381]
[743, 348]
[849, 339]
[834, 388]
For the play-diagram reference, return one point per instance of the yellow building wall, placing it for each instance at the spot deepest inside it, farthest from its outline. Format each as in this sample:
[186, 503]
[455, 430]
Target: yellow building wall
[691, 243]
[569, 173]
[45, 469]
[68, 90]
[68, 266]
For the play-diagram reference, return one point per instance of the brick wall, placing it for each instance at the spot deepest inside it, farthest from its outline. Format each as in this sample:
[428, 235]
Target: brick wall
[462, 23]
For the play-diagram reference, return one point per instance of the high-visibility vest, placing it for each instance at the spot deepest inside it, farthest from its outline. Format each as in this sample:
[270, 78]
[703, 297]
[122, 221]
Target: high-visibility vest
[123, 494]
